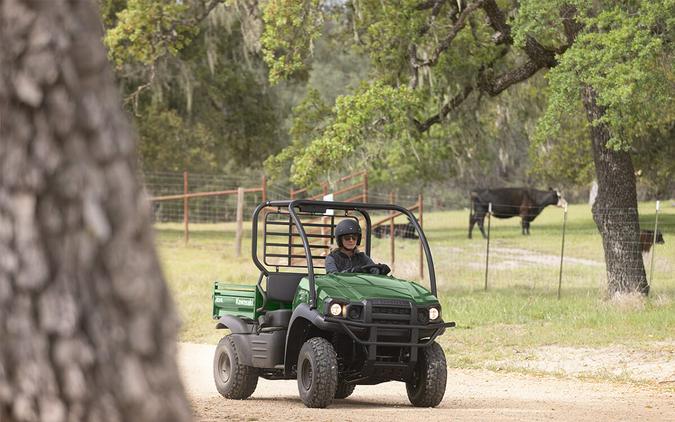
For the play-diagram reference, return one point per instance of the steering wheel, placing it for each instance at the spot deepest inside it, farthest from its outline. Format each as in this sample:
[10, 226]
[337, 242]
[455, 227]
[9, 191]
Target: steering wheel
[375, 269]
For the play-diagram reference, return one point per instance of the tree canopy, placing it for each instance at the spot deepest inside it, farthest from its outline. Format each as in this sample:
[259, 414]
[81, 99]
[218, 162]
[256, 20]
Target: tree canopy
[431, 60]
[195, 84]
[609, 63]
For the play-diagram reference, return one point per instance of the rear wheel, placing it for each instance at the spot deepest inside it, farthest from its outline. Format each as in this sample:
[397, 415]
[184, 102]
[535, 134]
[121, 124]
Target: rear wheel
[317, 372]
[427, 387]
[233, 379]
[344, 390]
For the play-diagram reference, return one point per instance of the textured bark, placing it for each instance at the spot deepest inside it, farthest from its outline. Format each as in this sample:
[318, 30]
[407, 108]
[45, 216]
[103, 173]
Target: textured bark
[87, 326]
[615, 209]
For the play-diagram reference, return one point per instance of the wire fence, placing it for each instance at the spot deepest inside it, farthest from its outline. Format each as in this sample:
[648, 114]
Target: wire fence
[541, 261]
[537, 262]
[207, 209]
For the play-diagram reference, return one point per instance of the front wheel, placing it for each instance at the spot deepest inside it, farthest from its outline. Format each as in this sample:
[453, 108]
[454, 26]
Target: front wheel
[317, 372]
[427, 386]
[233, 380]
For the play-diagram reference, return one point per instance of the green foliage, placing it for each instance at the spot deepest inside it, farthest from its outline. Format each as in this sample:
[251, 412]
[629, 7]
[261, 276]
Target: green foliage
[621, 54]
[565, 158]
[387, 28]
[624, 51]
[208, 107]
[366, 122]
[310, 117]
[393, 149]
[149, 29]
[291, 27]
[209, 84]
[542, 20]
[183, 145]
[337, 68]
[109, 10]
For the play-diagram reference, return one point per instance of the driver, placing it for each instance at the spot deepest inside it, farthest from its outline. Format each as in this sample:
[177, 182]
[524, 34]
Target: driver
[346, 258]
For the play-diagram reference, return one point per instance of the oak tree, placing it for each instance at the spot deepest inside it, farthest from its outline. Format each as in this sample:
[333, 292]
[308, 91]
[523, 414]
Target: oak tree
[87, 325]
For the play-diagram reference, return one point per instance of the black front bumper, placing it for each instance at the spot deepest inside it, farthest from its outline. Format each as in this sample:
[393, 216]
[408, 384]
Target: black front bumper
[370, 334]
[354, 328]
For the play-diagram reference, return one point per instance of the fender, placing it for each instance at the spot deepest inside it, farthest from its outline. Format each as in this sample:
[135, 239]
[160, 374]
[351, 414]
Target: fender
[302, 321]
[235, 324]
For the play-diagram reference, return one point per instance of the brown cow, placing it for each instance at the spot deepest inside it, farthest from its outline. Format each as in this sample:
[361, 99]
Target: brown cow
[647, 240]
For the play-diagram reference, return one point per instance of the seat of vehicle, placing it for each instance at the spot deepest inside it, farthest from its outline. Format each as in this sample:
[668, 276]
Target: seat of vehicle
[281, 287]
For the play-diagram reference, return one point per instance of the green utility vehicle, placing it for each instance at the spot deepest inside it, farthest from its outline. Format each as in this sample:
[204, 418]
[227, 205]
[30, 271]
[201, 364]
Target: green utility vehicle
[330, 331]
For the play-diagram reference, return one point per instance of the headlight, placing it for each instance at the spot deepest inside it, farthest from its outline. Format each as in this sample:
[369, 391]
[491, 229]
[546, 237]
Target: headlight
[335, 309]
[433, 314]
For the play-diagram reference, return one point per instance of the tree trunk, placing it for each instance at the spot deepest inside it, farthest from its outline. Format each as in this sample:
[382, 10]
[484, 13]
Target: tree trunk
[615, 209]
[87, 325]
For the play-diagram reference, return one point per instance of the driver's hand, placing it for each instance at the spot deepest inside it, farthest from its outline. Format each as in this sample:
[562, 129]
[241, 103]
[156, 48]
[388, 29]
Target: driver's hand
[384, 269]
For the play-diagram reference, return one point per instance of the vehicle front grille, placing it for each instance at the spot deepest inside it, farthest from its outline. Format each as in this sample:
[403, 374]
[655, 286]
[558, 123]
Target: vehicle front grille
[391, 311]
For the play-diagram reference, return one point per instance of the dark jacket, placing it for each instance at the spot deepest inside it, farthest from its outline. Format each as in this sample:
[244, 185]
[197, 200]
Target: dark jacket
[339, 262]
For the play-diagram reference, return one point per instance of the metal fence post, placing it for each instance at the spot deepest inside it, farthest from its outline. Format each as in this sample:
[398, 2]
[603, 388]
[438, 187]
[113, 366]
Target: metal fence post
[392, 246]
[420, 200]
[562, 251]
[186, 208]
[264, 188]
[656, 227]
[487, 250]
[240, 220]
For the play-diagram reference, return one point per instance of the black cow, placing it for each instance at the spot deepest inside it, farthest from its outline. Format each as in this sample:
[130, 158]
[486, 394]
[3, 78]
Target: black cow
[647, 240]
[406, 231]
[510, 202]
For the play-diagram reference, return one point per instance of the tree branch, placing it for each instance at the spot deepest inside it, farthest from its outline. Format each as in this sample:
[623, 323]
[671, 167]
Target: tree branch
[133, 98]
[494, 86]
[497, 22]
[435, 6]
[444, 111]
[445, 43]
[572, 27]
[207, 10]
[497, 85]
[459, 24]
[539, 57]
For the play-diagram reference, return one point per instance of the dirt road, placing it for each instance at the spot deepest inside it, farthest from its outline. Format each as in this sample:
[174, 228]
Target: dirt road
[470, 395]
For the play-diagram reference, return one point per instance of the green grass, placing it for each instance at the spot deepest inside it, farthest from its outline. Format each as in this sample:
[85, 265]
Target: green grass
[519, 311]
[497, 324]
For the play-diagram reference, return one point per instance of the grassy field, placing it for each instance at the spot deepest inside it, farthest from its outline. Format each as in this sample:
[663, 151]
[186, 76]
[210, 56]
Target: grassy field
[519, 311]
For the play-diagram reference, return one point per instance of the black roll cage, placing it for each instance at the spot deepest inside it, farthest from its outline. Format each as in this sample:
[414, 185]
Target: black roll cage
[321, 206]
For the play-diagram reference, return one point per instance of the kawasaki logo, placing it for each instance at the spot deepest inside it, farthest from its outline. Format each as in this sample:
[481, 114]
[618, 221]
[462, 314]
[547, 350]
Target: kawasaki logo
[244, 302]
